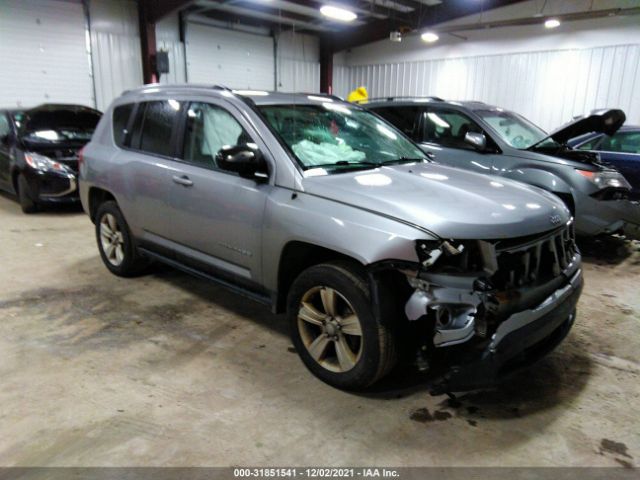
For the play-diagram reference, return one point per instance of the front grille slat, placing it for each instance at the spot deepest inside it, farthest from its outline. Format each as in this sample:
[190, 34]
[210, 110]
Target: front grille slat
[534, 261]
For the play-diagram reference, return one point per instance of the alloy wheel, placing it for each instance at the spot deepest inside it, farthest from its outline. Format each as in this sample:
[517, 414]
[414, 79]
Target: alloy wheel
[111, 239]
[330, 329]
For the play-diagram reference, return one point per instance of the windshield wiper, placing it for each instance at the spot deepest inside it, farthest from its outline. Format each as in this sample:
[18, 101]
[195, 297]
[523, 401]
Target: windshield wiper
[345, 163]
[401, 160]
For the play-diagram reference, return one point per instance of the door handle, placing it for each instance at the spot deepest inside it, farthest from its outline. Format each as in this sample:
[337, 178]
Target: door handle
[182, 180]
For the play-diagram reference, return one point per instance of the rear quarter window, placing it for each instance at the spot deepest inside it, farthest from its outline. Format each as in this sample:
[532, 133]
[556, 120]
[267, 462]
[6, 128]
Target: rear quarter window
[120, 119]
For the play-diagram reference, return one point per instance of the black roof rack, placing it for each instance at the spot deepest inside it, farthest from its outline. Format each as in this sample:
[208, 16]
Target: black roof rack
[406, 97]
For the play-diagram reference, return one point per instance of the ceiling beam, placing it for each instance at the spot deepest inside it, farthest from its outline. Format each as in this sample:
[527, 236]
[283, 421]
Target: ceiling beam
[446, 11]
[157, 9]
[272, 17]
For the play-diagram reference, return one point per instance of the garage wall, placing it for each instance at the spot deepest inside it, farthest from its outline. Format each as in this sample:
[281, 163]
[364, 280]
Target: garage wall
[115, 48]
[43, 53]
[548, 76]
[298, 63]
[168, 40]
[226, 57]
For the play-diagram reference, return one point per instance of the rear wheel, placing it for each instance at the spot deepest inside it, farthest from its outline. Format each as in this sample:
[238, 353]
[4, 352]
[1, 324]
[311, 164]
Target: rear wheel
[115, 243]
[27, 204]
[334, 329]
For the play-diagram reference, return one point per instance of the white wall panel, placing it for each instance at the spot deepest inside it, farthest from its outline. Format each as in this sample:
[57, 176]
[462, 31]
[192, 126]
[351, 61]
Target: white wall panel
[548, 87]
[298, 62]
[43, 55]
[168, 40]
[231, 58]
[115, 48]
[298, 76]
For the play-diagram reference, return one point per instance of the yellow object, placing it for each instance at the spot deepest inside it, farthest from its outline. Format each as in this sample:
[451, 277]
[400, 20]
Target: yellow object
[359, 95]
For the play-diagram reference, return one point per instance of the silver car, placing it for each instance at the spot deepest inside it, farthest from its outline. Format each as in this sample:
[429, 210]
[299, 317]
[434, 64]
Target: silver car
[489, 139]
[324, 211]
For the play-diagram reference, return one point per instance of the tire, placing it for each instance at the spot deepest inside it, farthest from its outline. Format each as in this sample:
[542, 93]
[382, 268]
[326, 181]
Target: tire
[27, 204]
[316, 328]
[115, 243]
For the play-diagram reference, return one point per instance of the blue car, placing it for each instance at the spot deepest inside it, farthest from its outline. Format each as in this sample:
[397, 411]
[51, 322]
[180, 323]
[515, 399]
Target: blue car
[622, 150]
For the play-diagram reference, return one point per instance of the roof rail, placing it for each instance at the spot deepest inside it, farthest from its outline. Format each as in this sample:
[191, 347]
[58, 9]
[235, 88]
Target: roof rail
[175, 86]
[406, 97]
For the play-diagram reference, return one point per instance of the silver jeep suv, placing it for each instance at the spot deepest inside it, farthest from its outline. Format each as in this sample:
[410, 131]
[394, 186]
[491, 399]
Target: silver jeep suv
[321, 209]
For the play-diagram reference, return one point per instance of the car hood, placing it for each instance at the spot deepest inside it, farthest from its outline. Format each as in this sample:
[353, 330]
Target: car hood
[452, 203]
[606, 121]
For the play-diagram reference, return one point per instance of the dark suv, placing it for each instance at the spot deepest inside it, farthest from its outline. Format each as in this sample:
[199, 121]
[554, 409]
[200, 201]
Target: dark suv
[39, 152]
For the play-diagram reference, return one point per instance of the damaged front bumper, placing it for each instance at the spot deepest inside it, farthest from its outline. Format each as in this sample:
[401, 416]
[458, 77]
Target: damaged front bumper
[482, 327]
[518, 342]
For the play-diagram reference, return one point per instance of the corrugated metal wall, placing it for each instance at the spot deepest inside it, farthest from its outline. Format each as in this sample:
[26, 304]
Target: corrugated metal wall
[232, 58]
[298, 76]
[115, 48]
[298, 62]
[43, 55]
[547, 87]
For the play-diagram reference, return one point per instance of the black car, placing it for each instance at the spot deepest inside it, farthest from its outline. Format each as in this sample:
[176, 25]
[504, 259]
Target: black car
[39, 151]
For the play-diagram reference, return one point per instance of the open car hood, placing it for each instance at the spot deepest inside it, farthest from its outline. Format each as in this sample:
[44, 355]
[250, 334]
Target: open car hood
[606, 121]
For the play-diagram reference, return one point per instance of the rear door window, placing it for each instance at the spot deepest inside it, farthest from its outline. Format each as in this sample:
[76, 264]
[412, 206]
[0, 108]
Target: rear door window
[153, 127]
[404, 118]
[622, 142]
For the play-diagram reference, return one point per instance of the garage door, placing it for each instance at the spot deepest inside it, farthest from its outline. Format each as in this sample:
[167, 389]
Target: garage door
[226, 57]
[43, 53]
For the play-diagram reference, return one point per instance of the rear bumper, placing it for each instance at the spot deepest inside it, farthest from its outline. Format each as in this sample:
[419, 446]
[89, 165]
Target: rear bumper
[519, 341]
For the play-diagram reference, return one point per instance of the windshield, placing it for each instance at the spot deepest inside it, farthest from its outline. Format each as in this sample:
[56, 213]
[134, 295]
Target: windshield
[513, 129]
[57, 125]
[336, 136]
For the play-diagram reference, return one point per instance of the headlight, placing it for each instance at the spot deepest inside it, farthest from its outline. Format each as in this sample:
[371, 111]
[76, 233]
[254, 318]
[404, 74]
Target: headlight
[606, 179]
[40, 162]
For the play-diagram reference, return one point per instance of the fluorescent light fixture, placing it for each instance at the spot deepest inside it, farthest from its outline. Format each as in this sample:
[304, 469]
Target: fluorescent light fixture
[429, 37]
[552, 23]
[337, 13]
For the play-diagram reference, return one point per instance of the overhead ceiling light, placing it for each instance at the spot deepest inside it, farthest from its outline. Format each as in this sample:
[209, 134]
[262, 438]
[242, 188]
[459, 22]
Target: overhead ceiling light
[337, 13]
[430, 37]
[552, 23]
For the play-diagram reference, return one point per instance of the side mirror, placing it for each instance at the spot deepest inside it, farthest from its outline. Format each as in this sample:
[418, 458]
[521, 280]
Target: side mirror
[245, 160]
[477, 140]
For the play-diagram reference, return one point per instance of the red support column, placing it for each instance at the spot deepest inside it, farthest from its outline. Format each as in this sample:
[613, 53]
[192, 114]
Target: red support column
[326, 67]
[147, 43]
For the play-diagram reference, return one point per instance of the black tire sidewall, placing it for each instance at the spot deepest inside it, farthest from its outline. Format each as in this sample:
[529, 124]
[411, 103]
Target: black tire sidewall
[130, 266]
[367, 369]
[27, 204]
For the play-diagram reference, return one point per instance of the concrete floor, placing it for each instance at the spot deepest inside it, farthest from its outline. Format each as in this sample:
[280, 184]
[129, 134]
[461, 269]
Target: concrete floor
[169, 370]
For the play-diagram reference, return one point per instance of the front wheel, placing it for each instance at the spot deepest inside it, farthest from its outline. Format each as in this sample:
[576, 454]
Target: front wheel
[116, 245]
[334, 329]
[27, 204]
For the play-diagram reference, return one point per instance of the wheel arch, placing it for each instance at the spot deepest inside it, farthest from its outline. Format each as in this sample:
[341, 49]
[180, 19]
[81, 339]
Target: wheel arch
[296, 257]
[98, 196]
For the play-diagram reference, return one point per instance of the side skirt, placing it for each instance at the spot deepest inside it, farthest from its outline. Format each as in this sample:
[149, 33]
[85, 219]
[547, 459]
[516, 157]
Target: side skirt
[263, 298]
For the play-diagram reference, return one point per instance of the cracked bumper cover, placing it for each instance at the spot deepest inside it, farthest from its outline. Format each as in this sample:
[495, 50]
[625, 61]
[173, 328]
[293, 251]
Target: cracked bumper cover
[519, 341]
